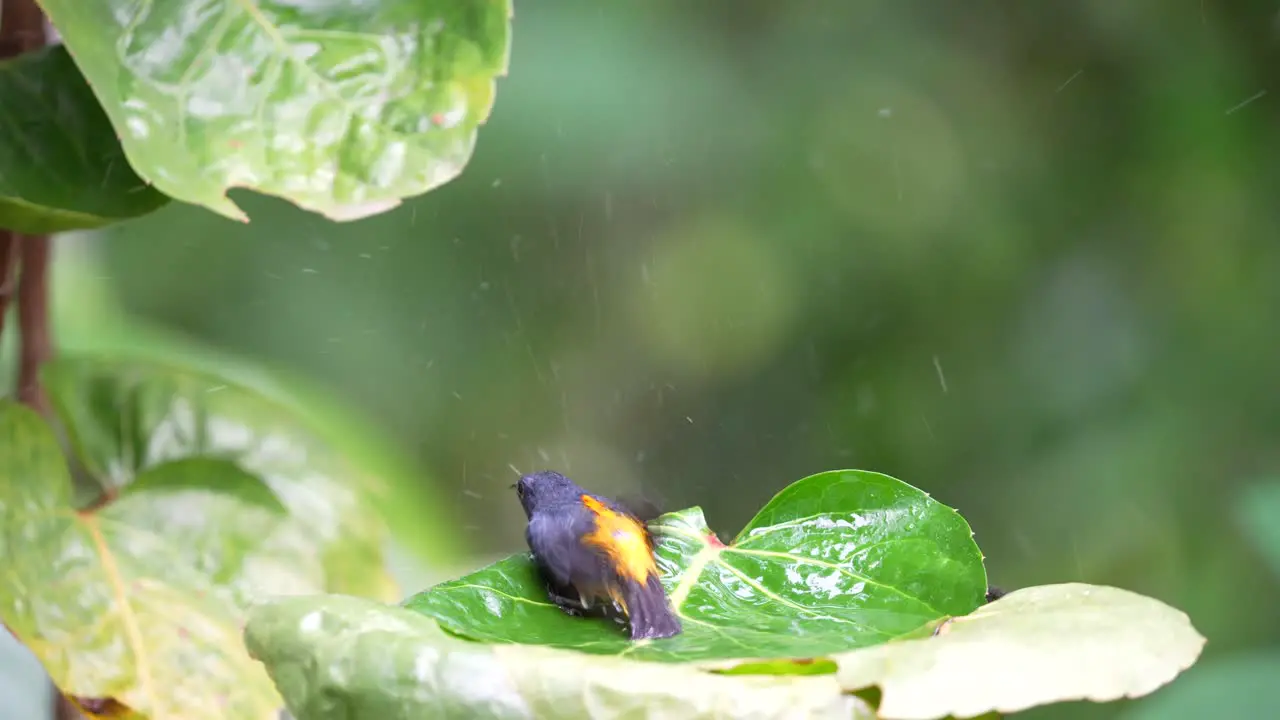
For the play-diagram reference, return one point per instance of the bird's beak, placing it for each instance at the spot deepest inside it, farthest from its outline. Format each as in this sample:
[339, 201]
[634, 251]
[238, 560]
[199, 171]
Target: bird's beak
[513, 485]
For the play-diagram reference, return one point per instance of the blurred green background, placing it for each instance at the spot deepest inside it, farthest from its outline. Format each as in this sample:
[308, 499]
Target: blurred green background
[1022, 255]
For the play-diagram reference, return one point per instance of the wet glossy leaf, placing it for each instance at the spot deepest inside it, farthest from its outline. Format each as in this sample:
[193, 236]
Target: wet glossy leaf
[125, 418]
[343, 108]
[61, 166]
[507, 652]
[350, 659]
[1032, 647]
[138, 601]
[837, 561]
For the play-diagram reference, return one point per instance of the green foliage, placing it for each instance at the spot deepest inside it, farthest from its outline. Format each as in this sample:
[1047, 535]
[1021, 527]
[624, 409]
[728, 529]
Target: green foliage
[126, 418]
[342, 109]
[837, 561]
[1240, 685]
[61, 167]
[1061, 353]
[1235, 687]
[1258, 510]
[129, 566]
[215, 498]
[768, 632]
[91, 321]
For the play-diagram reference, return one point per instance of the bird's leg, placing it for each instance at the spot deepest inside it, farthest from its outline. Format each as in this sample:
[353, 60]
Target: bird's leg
[565, 599]
[562, 595]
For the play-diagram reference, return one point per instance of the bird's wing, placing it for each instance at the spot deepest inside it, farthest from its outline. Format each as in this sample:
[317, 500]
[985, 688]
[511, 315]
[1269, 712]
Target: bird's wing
[642, 518]
[556, 542]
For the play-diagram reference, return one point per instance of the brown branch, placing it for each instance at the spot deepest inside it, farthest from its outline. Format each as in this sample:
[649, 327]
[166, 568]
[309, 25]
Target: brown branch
[36, 345]
[64, 709]
[8, 263]
[21, 27]
[22, 30]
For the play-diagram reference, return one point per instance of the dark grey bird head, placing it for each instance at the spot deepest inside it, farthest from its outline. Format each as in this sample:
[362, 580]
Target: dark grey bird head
[546, 489]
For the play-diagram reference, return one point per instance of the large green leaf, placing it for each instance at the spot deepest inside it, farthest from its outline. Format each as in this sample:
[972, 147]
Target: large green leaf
[1033, 646]
[61, 166]
[350, 659]
[126, 417]
[837, 561]
[138, 601]
[342, 108]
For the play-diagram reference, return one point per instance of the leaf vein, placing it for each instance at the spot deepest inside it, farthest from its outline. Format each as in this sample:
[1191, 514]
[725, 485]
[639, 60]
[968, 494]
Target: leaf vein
[132, 631]
[509, 596]
[794, 605]
[839, 568]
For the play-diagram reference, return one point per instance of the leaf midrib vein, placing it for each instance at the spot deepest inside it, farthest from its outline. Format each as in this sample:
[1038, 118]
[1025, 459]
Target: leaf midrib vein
[696, 566]
[130, 621]
[509, 596]
[796, 606]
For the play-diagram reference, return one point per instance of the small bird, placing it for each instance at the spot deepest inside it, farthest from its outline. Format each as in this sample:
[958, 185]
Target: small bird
[589, 548]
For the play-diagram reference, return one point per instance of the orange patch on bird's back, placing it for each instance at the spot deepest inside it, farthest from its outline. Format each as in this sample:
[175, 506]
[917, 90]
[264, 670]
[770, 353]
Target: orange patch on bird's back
[623, 538]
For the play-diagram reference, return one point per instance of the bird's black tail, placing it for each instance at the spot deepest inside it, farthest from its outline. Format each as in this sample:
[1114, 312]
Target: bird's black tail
[648, 611]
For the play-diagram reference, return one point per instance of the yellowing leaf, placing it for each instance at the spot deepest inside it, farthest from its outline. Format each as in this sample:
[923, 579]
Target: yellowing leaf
[1034, 646]
[215, 498]
[109, 603]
